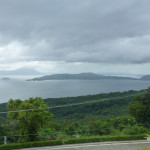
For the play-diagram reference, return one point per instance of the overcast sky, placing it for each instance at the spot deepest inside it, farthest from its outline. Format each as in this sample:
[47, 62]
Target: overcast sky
[71, 36]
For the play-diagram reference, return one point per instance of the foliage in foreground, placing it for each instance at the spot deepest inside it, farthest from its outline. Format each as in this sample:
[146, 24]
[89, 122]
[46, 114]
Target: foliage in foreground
[30, 125]
[31, 120]
[125, 125]
[140, 107]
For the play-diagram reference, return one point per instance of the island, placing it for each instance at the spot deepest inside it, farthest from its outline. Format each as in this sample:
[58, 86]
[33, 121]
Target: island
[5, 78]
[80, 76]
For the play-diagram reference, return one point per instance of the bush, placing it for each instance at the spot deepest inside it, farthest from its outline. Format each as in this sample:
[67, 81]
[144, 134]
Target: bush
[104, 138]
[132, 130]
[30, 144]
[71, 141]
[99, 127]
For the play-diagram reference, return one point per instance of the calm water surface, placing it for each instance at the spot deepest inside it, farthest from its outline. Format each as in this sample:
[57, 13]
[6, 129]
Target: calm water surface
[18, 87]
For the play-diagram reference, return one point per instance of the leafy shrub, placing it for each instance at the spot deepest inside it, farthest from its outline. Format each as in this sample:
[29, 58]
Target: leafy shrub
[99, 127]
[47, 133]
[132, 130]
[30, 144]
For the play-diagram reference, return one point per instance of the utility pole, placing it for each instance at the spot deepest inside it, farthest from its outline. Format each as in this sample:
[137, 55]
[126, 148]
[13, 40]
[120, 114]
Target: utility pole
[5, 139]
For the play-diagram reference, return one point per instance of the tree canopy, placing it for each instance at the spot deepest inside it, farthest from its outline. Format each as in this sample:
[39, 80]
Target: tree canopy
[140, 107]
[30, 115]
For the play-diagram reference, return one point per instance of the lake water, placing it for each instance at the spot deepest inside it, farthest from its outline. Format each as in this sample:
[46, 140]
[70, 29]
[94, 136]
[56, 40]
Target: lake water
[18, 87]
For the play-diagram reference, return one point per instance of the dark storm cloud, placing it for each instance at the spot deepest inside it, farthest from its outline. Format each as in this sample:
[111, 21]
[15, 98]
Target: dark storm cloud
[77, 30]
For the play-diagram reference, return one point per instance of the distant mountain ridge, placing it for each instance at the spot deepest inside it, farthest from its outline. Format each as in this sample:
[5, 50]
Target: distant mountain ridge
[80, 76]
[21, 71]
[145, 78]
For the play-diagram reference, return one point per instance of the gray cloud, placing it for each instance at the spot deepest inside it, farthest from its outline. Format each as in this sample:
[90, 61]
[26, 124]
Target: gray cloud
[75, 31]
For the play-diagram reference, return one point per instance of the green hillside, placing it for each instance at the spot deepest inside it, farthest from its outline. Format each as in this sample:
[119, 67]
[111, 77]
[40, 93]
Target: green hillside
[102, 105]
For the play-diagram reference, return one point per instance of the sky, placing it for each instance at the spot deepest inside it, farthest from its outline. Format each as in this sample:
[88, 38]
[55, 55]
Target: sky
[72, 36]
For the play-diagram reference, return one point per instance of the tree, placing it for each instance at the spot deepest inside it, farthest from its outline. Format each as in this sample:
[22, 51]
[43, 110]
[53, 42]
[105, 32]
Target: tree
[31, 115]
[140, 107]
[100, 127]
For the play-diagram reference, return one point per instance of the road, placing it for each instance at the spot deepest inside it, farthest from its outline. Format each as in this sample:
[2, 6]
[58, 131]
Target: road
[123, 145]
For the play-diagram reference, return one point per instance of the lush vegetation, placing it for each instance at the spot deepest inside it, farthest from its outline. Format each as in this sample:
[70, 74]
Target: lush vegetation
[98, 118]
[28, 122]
[98, 106]
[140, 108]
[69, 141]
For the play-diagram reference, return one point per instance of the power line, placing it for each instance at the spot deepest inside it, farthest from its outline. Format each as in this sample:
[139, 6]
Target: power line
[73, 104]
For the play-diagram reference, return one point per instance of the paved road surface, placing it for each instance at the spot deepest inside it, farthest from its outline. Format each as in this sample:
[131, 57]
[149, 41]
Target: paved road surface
[123, 145]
